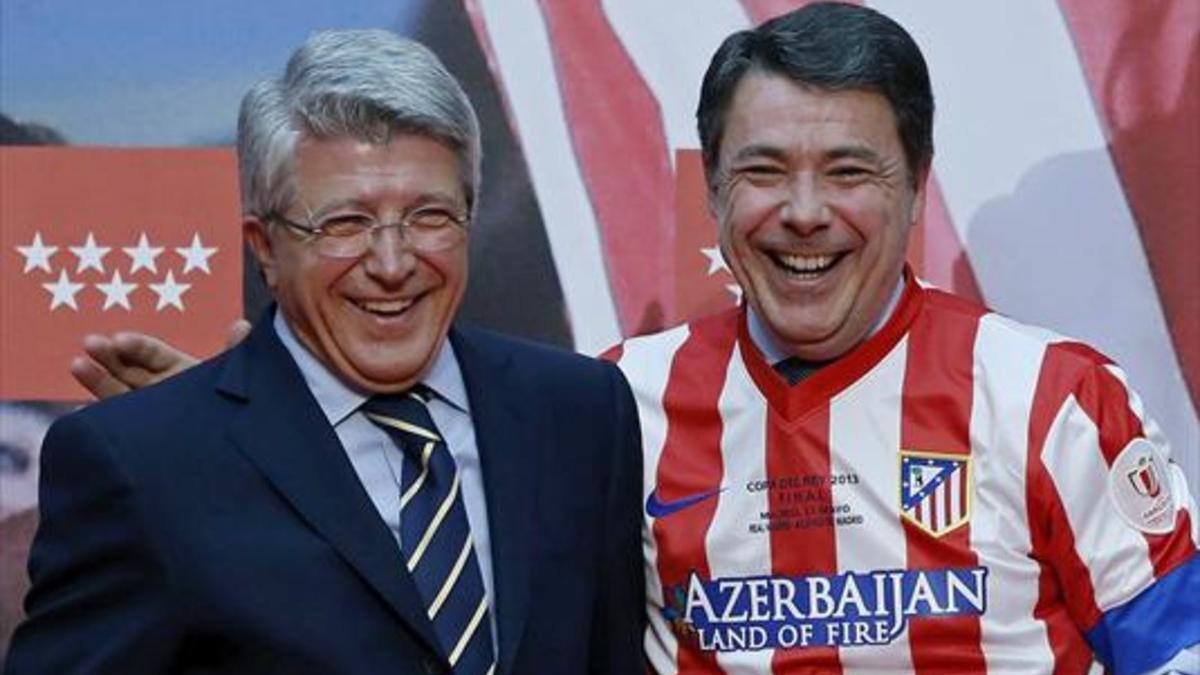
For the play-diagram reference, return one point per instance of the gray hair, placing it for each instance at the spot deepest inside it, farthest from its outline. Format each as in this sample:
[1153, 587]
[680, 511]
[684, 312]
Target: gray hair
[363, 84]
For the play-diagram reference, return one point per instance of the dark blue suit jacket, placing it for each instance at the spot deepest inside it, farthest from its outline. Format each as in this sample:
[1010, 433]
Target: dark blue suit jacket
[214, 524]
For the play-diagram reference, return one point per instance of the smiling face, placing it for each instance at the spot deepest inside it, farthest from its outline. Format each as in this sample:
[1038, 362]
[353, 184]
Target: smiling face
[815, 202]
[377, 321]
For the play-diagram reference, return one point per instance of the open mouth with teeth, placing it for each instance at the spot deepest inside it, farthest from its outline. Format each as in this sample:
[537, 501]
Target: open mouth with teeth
[806, 266]
[385, 308]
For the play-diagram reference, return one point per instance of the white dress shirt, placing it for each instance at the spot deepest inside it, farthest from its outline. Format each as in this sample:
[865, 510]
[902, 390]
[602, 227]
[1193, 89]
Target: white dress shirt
[376, 458]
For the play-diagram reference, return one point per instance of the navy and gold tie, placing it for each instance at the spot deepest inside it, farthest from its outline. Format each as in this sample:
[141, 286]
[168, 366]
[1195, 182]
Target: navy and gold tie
[435, 536]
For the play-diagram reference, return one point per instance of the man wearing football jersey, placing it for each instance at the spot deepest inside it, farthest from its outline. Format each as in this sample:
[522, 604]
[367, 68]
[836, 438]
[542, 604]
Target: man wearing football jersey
[855, 473]
[852, 472]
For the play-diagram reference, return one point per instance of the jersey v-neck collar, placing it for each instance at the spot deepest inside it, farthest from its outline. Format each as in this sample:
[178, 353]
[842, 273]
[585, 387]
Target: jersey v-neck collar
[793, 402]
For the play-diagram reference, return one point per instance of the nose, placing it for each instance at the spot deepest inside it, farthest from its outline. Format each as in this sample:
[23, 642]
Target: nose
[389, 258]
[804, 208]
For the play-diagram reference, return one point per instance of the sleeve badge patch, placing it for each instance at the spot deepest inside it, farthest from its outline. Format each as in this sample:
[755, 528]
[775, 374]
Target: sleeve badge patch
[1139, 482]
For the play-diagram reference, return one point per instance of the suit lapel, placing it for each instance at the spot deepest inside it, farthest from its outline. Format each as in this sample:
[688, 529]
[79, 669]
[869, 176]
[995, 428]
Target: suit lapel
[282, 431]
[505, 424]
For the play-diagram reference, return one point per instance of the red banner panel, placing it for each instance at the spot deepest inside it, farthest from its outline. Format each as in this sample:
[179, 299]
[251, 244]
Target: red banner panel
[96, 240]
[703, 283]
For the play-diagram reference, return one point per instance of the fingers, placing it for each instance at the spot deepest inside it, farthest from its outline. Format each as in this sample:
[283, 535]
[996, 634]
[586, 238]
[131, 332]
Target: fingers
[125, 361]
[145, 358]
[96, 379]
[103, 354]
[237, 332]
[129, 360]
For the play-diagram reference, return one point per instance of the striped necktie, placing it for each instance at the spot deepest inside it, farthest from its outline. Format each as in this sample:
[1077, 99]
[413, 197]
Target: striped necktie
[435, 536]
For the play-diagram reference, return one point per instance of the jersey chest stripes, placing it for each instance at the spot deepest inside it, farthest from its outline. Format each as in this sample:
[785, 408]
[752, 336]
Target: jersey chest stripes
[875, 517]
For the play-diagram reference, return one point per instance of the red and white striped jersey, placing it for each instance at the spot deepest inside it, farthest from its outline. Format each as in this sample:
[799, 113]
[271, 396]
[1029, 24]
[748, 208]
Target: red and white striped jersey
[959, 494]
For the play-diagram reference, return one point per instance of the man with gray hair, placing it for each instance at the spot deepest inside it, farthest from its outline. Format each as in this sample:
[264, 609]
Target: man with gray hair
[360, 486]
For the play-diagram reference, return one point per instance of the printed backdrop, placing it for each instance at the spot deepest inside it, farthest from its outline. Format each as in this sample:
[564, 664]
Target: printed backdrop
[145, 241]
[1064, 187]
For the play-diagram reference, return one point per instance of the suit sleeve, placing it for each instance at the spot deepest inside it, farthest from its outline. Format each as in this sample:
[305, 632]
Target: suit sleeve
[98, 602]
[621, 608]
[1124, 526]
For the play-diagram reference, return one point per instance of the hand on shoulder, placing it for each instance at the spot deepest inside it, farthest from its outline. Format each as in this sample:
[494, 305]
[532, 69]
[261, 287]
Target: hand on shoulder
[119, 363]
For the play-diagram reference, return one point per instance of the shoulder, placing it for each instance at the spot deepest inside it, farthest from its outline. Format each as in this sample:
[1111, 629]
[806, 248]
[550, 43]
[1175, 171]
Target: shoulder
[176, 408]
[1003, 338]
[191, 385]
[502, 345]
[709, 337]
[484, 352]
[576, 394]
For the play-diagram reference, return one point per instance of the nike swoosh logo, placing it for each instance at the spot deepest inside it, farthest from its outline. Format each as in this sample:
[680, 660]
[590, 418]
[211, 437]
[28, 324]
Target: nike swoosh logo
[657, 508]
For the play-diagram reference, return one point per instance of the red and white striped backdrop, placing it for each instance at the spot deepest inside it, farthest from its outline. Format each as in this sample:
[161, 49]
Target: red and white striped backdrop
[1064, 187]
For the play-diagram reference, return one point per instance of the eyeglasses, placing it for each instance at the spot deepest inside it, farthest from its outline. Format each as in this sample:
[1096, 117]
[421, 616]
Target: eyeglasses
[349, 235]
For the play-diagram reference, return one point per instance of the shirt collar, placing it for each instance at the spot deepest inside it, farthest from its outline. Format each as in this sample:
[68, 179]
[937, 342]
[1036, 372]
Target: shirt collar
[446, 380]
[769, 345]
[763, 338]
[338, 400]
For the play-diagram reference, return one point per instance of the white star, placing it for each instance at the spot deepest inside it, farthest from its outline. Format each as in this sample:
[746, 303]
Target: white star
[716, 262]
[735, 291]
[37, 254]
[90, 255]
[169, 292]
[143, 255]
[63, 291]
[195, 257]
[116, 292]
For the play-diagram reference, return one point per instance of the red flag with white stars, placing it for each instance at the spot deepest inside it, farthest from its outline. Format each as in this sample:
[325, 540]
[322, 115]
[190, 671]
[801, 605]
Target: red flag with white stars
[96, 240]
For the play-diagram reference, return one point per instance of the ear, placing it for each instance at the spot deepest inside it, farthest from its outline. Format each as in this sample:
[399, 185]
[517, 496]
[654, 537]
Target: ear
[711, 201]
[712, 194]
[258, 237]
[718, 205]
[921, 191]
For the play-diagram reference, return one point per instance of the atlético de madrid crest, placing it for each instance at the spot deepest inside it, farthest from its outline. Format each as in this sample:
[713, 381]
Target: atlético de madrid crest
[935, 490]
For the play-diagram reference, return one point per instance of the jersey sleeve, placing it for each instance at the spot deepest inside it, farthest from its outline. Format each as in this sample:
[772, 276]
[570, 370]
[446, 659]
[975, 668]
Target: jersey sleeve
[1123, 521]
[1186, 662]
